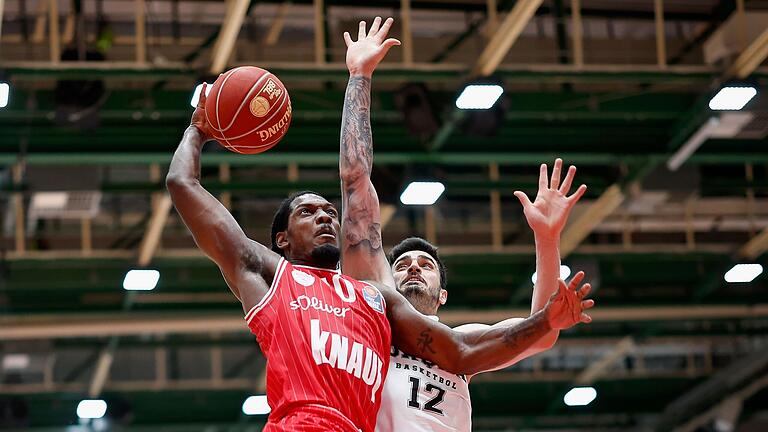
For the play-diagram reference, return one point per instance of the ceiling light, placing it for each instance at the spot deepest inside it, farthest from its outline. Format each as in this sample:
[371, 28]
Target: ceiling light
[580, 396]
[565, 271]
[141, 280]
[196, 94]
[91, 409]
[743, 273]
[5, 94]
[256, 405]
[732, 98]
[422, 193]
[15, 361]
[479, 96]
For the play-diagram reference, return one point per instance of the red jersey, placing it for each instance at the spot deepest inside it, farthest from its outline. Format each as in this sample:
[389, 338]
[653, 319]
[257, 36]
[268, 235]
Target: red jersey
[326, 338]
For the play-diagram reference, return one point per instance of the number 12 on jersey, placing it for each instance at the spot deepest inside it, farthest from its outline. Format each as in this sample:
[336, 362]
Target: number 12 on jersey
[431, 405]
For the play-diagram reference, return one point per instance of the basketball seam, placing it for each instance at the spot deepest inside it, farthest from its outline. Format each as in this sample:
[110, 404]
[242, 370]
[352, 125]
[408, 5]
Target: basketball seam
[243, 102]
[216, 104]
[262, 123]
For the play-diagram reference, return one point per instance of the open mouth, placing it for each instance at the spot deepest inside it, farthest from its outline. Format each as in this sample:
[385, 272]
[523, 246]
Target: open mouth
[414, 279]
[326, 232]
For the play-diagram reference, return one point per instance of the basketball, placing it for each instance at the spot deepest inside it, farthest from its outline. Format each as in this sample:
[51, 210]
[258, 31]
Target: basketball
[249, 110]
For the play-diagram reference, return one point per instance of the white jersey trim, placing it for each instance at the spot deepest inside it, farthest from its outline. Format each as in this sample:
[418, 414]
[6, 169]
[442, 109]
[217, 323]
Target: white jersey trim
[318, 268]
[271, 293]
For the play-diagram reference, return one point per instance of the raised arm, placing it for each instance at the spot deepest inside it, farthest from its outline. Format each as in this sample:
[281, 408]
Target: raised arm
[473, 351]
[363, 255]
[247, 266]
[547, 217]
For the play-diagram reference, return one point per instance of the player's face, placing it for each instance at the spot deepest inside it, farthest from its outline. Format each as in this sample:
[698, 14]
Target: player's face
[313, 225]
[417, 271]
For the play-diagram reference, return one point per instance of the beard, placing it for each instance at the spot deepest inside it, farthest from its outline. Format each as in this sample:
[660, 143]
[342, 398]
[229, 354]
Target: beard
[326, 255]
[421, 298]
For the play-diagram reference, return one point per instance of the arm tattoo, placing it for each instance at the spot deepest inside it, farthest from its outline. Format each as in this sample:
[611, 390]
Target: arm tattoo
[360, 203]
[356, 138]
[526, 333]
[425, 342]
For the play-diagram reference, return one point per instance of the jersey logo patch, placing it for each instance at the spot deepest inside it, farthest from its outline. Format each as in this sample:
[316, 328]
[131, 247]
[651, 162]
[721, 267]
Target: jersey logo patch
[303, 278]
[374, 298]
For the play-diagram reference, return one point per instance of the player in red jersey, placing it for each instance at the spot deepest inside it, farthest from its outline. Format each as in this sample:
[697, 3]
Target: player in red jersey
[326, 335]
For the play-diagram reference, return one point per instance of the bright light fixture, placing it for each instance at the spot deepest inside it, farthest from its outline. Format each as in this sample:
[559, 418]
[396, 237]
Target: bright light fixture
[580, 396]
[479, 96]
[743, 273]
[256, 405]
[5, 92]
[422, 193]
[732, 98]
[141, 280]
[565, 271]
[196, 94]
[15, 361]
[91, 409]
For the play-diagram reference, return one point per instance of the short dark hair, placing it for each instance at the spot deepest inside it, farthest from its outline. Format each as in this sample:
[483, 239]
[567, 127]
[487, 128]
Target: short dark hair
[283, 213]
[418, 243]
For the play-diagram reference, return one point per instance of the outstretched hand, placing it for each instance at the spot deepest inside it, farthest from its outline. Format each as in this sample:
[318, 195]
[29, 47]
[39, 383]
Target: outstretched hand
[370, 48]
[199, 120]
[549, 212]
[566, 307]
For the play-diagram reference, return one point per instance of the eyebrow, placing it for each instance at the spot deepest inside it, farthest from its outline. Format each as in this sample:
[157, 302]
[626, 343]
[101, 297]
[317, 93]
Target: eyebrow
[308, 205]
[427, 257]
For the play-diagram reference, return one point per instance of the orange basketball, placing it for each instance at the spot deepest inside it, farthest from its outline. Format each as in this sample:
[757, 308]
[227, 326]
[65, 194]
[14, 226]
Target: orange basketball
[248, 109]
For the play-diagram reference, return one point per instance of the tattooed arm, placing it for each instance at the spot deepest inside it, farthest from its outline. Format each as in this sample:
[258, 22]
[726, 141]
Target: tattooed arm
[363, 254]
[479, 350]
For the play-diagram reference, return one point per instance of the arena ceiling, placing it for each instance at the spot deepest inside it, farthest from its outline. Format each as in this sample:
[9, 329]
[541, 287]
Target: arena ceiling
[88, 135]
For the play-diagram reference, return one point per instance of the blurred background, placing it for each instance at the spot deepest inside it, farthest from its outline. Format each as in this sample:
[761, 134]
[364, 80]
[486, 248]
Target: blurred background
[95, 94]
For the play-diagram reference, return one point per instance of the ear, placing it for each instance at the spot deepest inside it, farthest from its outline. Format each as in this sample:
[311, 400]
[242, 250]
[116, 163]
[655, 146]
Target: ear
[443, 296]
[281, 239]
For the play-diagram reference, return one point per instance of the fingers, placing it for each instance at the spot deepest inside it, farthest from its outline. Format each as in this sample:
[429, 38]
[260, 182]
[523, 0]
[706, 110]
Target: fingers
[201, 99]
[385, 28]
[566, 186]
[586, 319]
[543, 177]
[374, 27]
[576, 281]
[347, 39]
[578, 194]
[586, 304]
[389, 43]
[523, 199]
[555, 180]
[361, 31]
[584, 291]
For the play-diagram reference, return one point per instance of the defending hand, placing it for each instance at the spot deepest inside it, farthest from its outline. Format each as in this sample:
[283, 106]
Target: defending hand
[365, 54]
[548, 214]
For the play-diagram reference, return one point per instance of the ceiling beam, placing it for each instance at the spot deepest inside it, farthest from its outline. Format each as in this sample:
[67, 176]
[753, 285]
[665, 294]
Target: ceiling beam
[278, 23]
[126, 324]
[595, 370]
[505, 37]
[594, 215]
[230, 28]
[749, 59]
[328, 159]
[151, 240]
[756, 246]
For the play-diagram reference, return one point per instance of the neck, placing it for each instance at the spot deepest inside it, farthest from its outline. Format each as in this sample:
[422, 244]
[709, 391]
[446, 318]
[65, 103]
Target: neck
[324, 264]
[422, 303]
